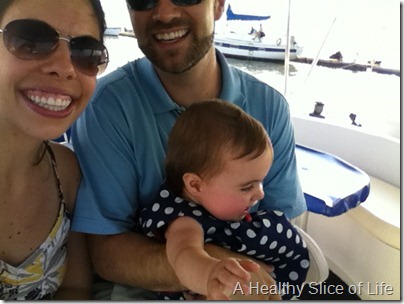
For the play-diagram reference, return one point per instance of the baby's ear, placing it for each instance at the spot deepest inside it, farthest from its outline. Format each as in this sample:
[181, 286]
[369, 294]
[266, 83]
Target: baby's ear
[192, 183]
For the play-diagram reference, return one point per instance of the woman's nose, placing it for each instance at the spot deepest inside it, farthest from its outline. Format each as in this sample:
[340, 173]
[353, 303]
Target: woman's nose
[60, 63]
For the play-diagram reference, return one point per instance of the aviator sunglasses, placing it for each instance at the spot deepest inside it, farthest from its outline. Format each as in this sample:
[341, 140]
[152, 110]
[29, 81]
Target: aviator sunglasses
[31, 39]
[142, 5]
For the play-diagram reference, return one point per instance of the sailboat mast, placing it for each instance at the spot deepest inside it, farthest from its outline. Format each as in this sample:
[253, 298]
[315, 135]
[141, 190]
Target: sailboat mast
[287, 51]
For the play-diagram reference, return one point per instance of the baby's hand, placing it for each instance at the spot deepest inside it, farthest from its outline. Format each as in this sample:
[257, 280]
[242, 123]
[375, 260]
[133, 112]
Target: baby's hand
[227, 275]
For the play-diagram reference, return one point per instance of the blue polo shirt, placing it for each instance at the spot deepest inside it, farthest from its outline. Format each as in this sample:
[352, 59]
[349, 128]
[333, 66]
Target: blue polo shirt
[120, 141]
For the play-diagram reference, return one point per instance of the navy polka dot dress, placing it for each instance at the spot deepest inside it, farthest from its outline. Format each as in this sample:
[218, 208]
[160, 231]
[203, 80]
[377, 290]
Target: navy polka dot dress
[264, 235]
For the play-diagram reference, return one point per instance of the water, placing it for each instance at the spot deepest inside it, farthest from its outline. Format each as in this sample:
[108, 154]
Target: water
[357, 28]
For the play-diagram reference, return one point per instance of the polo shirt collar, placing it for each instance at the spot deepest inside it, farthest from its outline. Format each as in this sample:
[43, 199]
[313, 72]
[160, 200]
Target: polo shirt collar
[152, 87]
[231, 82]
[161, 102]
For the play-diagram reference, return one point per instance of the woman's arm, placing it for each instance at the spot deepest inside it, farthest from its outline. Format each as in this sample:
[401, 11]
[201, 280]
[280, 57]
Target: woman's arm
[77, 283]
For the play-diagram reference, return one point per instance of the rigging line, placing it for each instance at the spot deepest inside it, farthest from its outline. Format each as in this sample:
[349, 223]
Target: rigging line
[315, 61]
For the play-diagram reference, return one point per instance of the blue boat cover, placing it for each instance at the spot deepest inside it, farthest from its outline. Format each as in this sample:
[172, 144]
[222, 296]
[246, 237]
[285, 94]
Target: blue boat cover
[331, 186]
[233, 16]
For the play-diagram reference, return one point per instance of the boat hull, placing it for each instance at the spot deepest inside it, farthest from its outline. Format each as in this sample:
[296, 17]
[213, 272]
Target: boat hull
[112, 31]
[250, 49]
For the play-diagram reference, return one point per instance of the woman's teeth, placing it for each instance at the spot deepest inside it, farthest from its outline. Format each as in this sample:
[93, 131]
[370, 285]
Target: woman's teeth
[51, 103]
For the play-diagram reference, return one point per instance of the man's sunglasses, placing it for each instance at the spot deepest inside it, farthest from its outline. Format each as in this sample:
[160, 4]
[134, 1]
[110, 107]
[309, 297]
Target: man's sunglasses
[31, 39]
[142, 5]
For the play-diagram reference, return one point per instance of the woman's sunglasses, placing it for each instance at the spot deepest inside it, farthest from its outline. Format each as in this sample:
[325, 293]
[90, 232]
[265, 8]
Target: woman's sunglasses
[30, 39]
[142, 5]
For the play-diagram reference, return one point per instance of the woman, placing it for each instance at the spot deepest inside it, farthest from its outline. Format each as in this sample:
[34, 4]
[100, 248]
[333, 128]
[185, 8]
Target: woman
[50, 54]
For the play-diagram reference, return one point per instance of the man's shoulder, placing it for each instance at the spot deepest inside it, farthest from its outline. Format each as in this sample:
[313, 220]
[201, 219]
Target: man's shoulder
[117, 75]
[118, 84]
[252, 84]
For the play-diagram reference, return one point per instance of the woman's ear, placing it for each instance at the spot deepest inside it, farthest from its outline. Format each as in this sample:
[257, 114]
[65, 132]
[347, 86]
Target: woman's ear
[192, 183]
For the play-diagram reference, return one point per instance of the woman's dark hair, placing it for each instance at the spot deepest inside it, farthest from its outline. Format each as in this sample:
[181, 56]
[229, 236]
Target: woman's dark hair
[95, 4]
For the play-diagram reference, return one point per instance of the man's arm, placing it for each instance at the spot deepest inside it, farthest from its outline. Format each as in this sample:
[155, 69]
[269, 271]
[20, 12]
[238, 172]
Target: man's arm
[133, 259]
[137, 260]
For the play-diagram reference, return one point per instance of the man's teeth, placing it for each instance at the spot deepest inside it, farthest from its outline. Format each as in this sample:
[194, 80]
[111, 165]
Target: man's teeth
[171, 36]
[51, 103]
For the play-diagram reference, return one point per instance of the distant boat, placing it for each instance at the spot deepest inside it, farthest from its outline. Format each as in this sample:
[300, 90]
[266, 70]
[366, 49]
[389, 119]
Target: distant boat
[112, 31]
[242, 46]
[238, 45]
[230, 15]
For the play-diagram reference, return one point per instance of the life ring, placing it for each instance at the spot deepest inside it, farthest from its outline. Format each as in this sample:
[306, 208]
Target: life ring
[279, 41]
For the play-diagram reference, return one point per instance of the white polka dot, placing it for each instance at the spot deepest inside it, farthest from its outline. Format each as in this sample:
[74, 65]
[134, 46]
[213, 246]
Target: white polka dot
[243, 247]
[149, 223]
[235, 225]
[264, 240]
[289, 233]
[297, 239]
[197, 212]
[290, 254]
[296, 257]
[169, 210]
[208, 240]
[251, 234]
[304, 244]
[293, 276]
[160, 224]
[276, 260]
[211, 230]
[305, 263]
[192, 204]
[273, 245]
[282, 266]
[181, 213]
[156, 207]
[266, 223]
[228, 232]
[164, 193]
[279, 228]
[251, 252]
[282, 249]
[262, 256]
[278, 213]
[257, 224]
[178, 200]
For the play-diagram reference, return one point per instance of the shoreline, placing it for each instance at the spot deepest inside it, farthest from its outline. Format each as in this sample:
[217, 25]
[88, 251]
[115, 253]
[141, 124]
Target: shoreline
[353, 66]
[329, 63]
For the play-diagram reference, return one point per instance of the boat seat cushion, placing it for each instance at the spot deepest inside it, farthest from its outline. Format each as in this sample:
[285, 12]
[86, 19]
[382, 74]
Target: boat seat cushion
[331, 185]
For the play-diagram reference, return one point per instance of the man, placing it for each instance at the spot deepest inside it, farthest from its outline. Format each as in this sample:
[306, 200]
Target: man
[121, 138]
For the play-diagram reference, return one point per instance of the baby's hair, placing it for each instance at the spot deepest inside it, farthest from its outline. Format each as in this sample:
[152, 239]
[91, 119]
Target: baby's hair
[203, 133]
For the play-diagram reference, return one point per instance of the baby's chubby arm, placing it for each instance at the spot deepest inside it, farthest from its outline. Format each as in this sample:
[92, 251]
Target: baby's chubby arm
[199, 271]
